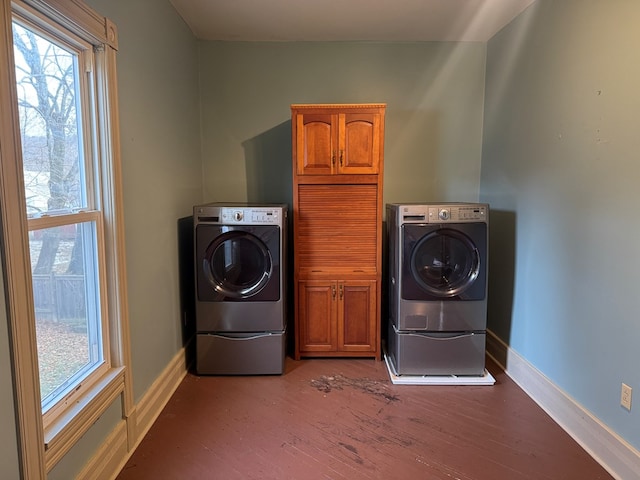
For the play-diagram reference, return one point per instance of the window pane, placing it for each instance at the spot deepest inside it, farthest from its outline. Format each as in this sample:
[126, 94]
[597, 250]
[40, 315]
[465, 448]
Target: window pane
[48, 84]
[68, 326]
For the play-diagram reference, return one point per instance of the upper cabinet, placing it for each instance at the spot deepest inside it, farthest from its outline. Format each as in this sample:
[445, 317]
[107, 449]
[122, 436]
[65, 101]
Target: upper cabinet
[338, 140]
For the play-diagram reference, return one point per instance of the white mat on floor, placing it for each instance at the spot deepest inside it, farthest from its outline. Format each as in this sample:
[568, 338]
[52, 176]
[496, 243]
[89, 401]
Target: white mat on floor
[486, 379]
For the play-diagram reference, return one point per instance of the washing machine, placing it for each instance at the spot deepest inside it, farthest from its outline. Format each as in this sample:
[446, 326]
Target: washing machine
[438, 258]
[240, 269]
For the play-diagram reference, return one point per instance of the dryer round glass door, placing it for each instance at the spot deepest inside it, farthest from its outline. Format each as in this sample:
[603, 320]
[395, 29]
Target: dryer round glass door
[445, 263]
[237, 264]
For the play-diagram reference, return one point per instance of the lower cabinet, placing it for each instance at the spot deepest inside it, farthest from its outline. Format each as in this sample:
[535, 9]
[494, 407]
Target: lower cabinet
[337, 318]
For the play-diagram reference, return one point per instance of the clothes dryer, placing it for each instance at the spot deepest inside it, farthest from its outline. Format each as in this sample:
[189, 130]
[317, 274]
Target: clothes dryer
[438, 260]
[240, 259]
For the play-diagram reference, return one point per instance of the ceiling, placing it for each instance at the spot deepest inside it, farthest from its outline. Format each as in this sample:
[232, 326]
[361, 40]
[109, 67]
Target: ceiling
[348, 20]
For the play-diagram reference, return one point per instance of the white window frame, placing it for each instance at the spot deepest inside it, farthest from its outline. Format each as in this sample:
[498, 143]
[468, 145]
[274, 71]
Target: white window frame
[91, 212]
[43, 443]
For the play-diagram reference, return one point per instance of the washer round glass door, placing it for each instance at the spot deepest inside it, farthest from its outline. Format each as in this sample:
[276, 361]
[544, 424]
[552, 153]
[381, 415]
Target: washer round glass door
[445, 263]
[237, 264]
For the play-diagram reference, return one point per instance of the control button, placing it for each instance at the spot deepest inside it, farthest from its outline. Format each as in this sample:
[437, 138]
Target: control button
[444, 214]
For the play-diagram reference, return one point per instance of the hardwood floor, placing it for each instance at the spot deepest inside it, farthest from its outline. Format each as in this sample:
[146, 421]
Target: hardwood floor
[343, 419]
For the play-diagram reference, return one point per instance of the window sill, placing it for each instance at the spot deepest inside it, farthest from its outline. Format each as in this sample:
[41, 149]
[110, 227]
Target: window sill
[62, 434]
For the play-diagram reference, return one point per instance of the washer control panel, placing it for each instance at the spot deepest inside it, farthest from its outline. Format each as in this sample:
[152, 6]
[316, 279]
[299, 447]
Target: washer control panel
[444, 213]
[457, 214]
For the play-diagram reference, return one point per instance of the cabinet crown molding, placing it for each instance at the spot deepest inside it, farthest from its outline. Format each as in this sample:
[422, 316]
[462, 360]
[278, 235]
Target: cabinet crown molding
[337, 105]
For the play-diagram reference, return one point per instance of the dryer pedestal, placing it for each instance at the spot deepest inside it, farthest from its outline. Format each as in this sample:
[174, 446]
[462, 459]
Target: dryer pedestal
[240, 354]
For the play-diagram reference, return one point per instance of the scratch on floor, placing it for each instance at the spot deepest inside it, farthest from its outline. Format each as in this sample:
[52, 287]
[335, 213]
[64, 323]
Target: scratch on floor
[353, 450]
[338, 382]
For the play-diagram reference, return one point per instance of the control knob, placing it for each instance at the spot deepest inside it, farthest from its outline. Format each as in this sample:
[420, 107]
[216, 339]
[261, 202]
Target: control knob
[444, 214]
[237, 216]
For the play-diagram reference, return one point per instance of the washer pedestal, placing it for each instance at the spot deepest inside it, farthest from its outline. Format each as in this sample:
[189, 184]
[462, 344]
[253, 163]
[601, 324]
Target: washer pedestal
[436, 353]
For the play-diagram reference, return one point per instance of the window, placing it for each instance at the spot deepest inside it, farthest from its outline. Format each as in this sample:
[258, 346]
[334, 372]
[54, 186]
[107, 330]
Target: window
[64, 220]
[62, 241]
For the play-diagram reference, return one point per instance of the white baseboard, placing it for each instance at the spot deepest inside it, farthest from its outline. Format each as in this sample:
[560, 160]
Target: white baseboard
[112, 455]
[156, 397]
[619, 458]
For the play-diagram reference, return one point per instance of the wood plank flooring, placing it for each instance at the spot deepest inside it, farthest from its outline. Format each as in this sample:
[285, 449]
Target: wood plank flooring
[342, 419]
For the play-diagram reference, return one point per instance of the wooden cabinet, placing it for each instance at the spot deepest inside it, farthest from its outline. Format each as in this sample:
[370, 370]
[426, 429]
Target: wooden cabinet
[337, 316]
[337, 228]
[337, 143]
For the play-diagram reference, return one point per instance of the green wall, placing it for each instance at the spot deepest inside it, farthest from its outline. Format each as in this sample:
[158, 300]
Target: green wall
[560, 169]
[433, 91]
[162, 171]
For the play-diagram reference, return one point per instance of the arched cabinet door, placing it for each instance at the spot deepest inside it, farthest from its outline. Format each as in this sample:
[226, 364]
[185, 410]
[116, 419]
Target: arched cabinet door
[334, 143]
[358, 143]
[315, 143]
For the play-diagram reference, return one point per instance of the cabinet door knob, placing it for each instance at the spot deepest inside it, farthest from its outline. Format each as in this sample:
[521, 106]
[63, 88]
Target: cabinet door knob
[341, 291]
[333, 291]
[333, 158]
[341, 156]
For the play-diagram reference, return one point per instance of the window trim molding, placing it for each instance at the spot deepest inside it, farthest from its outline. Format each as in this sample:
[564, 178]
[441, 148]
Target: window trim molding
[35, 459]
[19, 299]
[76, 15]
[67, 430]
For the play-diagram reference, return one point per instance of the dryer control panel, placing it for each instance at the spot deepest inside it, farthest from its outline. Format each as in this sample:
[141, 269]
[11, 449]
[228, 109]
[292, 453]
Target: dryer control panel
[240, 214]
[249, 215]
